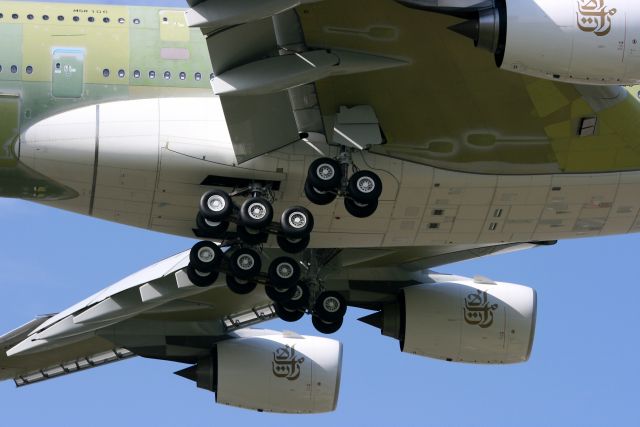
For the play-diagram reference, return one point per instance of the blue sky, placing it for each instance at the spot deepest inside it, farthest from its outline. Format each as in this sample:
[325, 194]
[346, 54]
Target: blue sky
[583, 371]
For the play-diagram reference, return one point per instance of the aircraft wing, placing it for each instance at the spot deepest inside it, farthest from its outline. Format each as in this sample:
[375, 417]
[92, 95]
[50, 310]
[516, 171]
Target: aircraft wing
[158, 313]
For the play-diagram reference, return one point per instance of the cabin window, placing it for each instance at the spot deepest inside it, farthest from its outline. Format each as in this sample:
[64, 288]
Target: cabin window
[136, 21]
[167, 75]
[60, 18]
[106, 72]
[136, 74]
[183, 76]
[14, 16]
[0, 68]
[121, 20]
[14, 69]
[106, 20]
[152, 74]
[121, 74]
[45, 17]
[30, 17]
[29, 69]
[198, 77]
[91, 19]
[1, 15]
[76, 19]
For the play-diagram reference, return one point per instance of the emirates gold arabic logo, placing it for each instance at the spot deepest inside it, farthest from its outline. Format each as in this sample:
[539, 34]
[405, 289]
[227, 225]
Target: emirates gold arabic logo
[478, 311]
[594, 17]
[286, 364]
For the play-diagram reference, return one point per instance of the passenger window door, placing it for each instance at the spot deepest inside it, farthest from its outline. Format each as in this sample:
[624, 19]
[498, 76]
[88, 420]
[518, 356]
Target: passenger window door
[68, 73]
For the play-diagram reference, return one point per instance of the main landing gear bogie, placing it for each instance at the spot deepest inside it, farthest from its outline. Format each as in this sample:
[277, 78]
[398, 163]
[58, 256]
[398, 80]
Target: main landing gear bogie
[254, 220]
[285, 284]
[329, 178]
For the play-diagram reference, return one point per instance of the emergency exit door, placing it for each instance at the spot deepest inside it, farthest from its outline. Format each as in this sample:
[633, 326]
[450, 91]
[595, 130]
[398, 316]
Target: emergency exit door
[68, 73]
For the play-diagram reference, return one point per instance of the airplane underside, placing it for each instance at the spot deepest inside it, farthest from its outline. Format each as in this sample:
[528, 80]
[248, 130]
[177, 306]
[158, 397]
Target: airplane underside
[340, 159]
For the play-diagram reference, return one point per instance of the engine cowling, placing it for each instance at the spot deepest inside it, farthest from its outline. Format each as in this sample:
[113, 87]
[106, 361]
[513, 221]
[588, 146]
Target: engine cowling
[473, 322]
[276, 372]
[576, 41]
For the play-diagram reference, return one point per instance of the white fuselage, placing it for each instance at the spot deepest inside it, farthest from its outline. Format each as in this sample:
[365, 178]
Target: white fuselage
[144, 162]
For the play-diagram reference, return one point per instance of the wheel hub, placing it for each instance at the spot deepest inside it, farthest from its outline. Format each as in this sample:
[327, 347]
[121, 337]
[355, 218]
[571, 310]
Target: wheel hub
[285, 270]
[216, 203]
[298, 220]
[331, 304]
[366, 185]
[246, 262]
[257, 211]
[325, 172]
[206, 255]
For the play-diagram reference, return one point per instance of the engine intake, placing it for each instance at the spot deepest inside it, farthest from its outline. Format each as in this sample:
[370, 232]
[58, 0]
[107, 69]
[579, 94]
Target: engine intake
[485, 323]
[275, 372]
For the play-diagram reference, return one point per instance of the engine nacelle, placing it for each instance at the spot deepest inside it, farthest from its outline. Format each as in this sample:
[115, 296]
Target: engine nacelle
[276, 372]
[472, 321]
[576, 41]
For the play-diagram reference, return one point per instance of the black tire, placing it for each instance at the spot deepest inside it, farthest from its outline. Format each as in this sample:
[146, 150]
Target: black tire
[326, 328]
[200, 279]
[284, 273]
[245, 264]
[293, 246]
[206, 256]
[296, 222]
[330, 306]
[252, 237]
[325, 174]
[365, 186]
[240, 287]
[215, 229]
[300, 298]
[360, 210]
[256, 213]
[216, 205]
[318, 197]
[278, 295]
[287, 314]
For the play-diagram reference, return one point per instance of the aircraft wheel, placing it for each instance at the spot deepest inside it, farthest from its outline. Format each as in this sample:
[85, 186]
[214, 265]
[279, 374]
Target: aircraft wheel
[326, 328]
[360, 210]
[318, 197]
[201, 279]
[250, 236]
[300, 298]
[215, 229]
[293, 246]
[296, 222]
[245, 263]
[239, 286]
[325, 174]
[284, 273]
[287, 314]
[216, 205]
[330, 306]
[205, 256]
[365, 187]
[280, 295]
[256, 213]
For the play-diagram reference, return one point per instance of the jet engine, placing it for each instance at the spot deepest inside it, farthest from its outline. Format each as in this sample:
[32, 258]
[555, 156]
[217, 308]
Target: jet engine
[472, 321]
[576, 41]
[285, 373]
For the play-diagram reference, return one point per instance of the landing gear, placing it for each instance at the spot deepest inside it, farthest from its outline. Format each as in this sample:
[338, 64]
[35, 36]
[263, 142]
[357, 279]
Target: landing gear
[216, 205]
[201, 279]
[329, 178]
[326, 328]
[239, 286]
[245, 263]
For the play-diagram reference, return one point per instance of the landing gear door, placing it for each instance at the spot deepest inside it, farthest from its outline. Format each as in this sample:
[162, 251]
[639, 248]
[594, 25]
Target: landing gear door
[68, 73]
